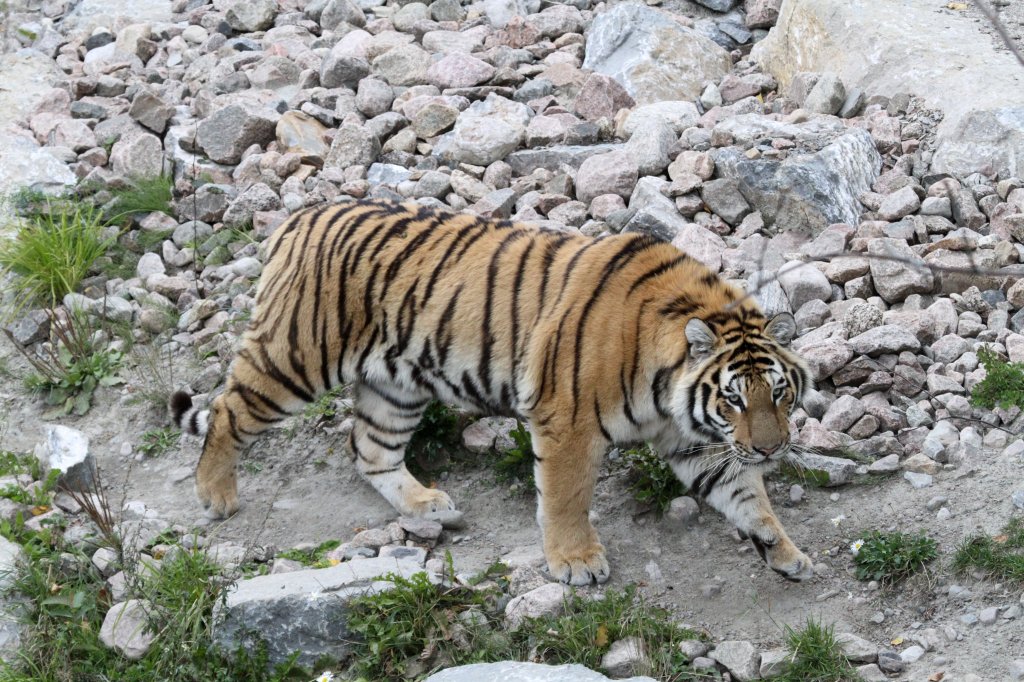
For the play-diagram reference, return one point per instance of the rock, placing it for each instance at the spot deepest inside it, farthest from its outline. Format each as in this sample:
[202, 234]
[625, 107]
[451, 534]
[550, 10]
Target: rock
[246, 16]
[232, 129]
[151, 111]
[867, 46]
[354, 145]
[651, 55]
[807, 192]
[678, 114]
[601, 96]
[624, 657]
[827, 95]
[683, 512]
[774, 663]
[825, 358]
[341, 70]
[547, 600]
[259, 197]
[724, 199]
[512, 671]
[300, 133]
[500, 12]
[899, 204]
[486, 132]
[67, 450]
[31, 327]
[150, 264]
[856, 649]
[739, 658]
[459, 70]
[137, 156]
[1017, 498]
[126, 628]
[917, 481]
[402, 65]
[338, 12]
[302, 611]
[839, 470]
[803, 283]
[700, 243]
[888, 338]
[842, 414]
[613, 172]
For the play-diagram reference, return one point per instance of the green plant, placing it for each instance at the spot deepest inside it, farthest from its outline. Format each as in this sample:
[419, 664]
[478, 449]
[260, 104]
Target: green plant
[654, 484]
[315, 557]
[12, 464]
[70, 371]
[891, 557]
[1001, 556]
[152, 374]
[52, 253]
[816, 656]
[435, 437]
[143, 195]
[515, 465]
[1003, 384]
[325, 408]
[157, 441]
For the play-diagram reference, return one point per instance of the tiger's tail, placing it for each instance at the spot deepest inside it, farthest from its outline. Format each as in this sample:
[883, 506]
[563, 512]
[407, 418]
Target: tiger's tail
[187, 416]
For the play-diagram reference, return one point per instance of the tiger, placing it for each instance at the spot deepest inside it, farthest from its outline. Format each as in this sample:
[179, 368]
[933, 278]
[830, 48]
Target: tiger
[589, 341]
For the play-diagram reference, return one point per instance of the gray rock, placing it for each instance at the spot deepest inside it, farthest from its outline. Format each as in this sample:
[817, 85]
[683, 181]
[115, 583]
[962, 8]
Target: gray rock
[651, 55]
[856, 649]
[843, 413]
[860, 317]
[917, 480]
[354, 145]
[126, 628]
[839, 470]
[888, 338]
[500, 12]
[624, 657]
[739, 658]
[486, 132]
[885, 465]
[650, 147]
[232, 129]
[899, 204]
[137, 156]
[826, 358]
[547, 600]
[31, 327]
[678, 114]
[807, 192]
[259, 197]
[337, 12]
[724, 199]
[207, 204]
[341, 70]
[1018, 499]
[246, 16]
[459, 70]
[774, 663]
[702, 244]
[599, 97]
[827, 96]
[613, 172]
[151, 111]
[683, 512]
[67, 450]
[302, 611]
[511, 671]
[402, 65]
[802, 283]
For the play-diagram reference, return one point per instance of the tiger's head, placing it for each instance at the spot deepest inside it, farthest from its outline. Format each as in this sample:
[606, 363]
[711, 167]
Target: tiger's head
[741, 384]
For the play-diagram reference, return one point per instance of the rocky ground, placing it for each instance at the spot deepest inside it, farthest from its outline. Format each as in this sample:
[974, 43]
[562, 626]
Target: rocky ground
[573, 116]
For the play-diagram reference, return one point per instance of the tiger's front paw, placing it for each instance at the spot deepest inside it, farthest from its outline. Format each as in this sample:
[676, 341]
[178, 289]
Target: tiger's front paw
[219, 495]
[426, 501]
[579, 567]
[789, 562]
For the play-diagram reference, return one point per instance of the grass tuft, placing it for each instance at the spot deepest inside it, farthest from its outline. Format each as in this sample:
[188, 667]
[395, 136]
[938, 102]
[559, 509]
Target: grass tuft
[143, 195]
[515, 465]
[816, 656]
[316, 557]
[155, 442]
[892, 557]
[1001, 556]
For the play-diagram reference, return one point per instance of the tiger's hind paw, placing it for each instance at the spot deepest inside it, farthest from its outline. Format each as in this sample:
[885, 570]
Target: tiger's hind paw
[219, 498]
[579, 568]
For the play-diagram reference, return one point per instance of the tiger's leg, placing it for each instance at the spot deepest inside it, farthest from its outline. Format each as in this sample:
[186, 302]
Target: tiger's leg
[744, 501]
[250, 404]
[565, 472]
[385, 420]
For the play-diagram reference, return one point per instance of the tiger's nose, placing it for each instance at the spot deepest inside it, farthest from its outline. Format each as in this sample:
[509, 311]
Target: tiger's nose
[769, 450]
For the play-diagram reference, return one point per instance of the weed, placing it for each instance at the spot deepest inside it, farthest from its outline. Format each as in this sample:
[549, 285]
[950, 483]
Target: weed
[816, 656]
[325, 408]
[435, 437]
[797, 473]
[515, 465]
[52, 253]
[143, 195]
[1003, 384]
[158, 441]
[12, 464]
[419, 627]
[153, 375]
[655, 484]
[891, 557]
[69, 372]
[151, 240]
[1001, 556]
[315, 557]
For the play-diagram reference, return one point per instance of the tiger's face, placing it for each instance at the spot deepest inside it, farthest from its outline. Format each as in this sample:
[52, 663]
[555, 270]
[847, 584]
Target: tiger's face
[741, 387]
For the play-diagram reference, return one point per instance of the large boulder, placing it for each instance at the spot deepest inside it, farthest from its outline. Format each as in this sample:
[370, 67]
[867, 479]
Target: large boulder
[942, 61]
[230, 130]
[807, 192]
[303, 611]
[651, 55]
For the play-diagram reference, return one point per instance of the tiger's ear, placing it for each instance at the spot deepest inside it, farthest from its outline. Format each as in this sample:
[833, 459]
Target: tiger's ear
[782, 328]
[700, 338]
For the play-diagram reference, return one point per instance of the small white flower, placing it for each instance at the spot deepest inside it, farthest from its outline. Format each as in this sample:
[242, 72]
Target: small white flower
[325, 676]
[855, 546]
[837, 520]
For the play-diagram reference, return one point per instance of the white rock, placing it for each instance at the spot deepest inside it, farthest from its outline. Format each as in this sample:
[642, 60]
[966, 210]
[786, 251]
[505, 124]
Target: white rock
[125, 628]
[548, 600]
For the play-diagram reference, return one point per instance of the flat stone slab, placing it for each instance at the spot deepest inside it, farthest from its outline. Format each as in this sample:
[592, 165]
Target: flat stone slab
[512, 671]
